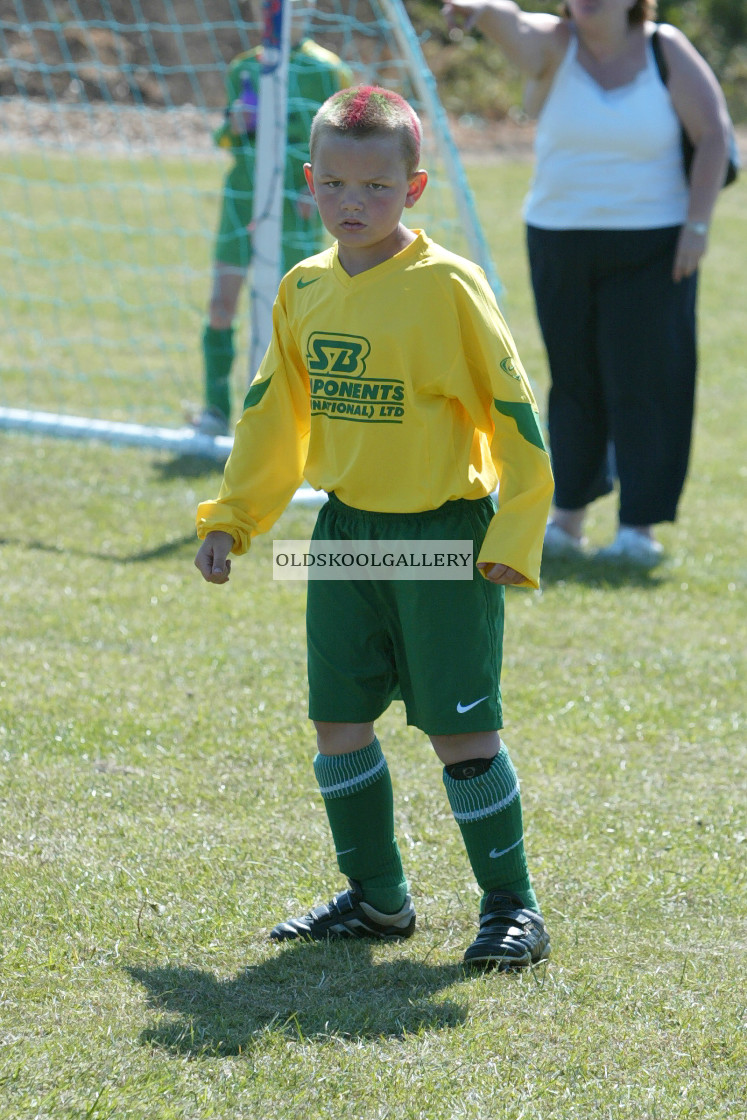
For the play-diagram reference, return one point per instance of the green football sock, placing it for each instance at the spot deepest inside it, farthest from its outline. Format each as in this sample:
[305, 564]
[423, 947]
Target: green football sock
[487, 809]
[357, 792]
[218, 352]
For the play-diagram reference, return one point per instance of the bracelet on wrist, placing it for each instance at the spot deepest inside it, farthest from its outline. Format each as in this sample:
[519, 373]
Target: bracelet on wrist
[701, 228]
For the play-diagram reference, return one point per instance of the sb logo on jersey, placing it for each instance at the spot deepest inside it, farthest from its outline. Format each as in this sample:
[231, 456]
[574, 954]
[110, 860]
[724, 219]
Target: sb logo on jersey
[337, 353]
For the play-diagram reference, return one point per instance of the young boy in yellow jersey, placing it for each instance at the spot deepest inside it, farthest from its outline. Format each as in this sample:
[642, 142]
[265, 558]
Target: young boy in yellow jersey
[393, 384]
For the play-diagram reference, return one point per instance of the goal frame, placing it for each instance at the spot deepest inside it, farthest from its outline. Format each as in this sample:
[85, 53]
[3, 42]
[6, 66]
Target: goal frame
[266, 233]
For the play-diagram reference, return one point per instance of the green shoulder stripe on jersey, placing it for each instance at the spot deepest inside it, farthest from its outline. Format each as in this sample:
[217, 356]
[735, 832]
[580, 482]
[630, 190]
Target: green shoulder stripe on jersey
[256, 392]
[526, 419]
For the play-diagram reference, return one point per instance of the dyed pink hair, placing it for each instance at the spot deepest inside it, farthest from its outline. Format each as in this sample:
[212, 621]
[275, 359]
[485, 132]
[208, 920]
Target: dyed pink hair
[362, 111]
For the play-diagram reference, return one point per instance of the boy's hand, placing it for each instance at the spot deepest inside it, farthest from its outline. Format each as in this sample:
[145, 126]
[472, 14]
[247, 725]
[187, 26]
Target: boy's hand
[212, 558]
[242, 118]
[501, 573]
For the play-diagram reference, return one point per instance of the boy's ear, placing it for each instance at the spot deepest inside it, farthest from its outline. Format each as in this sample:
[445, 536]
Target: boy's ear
[309, 177]
[416, 187]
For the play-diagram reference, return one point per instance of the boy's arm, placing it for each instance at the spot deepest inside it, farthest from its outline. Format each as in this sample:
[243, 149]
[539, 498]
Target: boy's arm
[525, 484]
[222, 137]
[266, 465]
[501, 404]
[239, 119]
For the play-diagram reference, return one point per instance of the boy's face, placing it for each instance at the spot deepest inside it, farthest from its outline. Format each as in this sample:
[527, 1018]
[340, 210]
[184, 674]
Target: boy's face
[361, 187]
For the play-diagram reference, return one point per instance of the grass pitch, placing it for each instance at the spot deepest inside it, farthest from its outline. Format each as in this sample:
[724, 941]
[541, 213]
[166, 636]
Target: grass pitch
[159, 811]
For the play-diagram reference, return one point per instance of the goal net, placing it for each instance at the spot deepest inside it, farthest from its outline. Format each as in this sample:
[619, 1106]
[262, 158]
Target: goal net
[110, 189]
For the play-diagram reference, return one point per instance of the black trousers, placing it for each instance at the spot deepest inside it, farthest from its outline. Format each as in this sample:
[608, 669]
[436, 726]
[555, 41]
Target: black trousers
[621, 343]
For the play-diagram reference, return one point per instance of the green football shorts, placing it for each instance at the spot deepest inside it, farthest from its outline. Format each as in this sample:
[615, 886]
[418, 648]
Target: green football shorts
[301, 237]
[435, 644]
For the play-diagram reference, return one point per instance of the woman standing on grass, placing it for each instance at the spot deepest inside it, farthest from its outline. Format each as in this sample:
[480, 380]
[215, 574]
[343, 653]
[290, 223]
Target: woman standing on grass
[615, 235]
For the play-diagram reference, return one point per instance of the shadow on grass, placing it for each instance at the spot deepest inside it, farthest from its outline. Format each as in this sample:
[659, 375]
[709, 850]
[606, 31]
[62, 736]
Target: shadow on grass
[158, 552]
[594, 573]
[188, 466]
[605, 574]
[305, 991]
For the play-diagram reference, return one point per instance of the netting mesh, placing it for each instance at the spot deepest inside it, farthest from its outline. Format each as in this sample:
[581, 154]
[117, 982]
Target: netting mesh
[110, 186]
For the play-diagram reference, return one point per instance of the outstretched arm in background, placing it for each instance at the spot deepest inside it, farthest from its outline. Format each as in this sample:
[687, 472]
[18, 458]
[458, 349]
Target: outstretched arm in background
[526, 38]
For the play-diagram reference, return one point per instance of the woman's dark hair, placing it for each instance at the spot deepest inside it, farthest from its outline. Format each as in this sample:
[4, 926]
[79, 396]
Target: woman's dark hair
[639, 13]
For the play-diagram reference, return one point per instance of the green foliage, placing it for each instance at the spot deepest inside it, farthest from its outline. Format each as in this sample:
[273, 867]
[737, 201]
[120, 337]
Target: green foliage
[715, 25]
[159, 811]
[718, 28]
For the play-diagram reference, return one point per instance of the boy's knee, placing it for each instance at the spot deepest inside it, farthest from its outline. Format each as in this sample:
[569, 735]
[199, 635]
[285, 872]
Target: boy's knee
[342, 738]
[452, 749]
[224, 296]
[220, 314]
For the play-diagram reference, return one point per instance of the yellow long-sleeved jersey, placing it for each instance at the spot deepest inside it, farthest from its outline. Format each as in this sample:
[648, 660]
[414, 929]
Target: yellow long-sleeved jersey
[400, 389]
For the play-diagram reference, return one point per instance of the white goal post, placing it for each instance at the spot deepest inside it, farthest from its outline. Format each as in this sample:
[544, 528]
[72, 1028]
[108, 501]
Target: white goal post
[110, 189]
[267, 214]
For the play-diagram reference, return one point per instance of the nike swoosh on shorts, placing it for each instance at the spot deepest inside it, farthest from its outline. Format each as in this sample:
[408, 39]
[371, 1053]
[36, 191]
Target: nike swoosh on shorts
[462, 708]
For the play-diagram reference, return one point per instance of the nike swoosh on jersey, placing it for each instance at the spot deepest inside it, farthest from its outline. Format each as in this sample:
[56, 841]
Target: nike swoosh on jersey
[462, 708]
[305, 283]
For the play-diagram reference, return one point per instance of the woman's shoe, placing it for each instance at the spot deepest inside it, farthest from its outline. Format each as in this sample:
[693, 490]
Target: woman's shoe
[559, 544]
[632, 547]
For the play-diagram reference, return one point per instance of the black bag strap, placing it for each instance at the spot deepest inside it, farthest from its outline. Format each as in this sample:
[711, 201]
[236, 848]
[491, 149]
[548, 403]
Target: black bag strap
[661, 62]
[734, 164]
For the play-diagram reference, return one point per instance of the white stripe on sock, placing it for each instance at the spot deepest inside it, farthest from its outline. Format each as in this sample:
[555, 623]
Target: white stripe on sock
[488, 810]
[350, 785]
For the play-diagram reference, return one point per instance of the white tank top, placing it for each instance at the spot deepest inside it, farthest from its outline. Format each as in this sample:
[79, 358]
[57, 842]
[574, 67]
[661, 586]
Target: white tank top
[607, 159]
